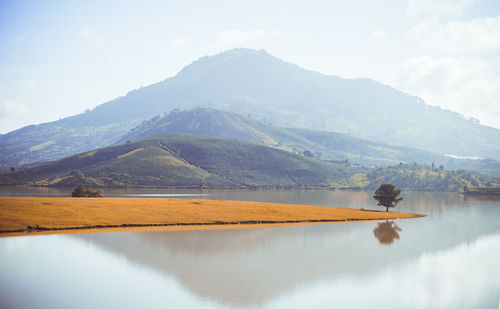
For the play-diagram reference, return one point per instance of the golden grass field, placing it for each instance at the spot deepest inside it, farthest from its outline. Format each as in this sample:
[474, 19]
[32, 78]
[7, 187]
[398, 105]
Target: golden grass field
[65, 215]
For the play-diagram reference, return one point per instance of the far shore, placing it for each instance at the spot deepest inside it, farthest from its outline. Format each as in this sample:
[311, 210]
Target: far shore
[42, 215]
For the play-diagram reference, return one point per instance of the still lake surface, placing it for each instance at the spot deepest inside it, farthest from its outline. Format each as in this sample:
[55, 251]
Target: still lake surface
[449, 259]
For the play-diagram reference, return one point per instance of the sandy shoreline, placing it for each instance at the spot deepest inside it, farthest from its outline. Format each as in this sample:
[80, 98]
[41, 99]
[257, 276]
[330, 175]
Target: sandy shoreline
[37, 216]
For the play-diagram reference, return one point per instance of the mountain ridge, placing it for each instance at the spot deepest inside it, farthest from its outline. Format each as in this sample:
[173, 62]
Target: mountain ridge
[324, 145]
[183, 160]
[253, 82]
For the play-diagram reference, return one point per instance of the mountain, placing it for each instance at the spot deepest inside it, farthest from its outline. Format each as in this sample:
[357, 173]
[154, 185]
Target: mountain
[185, 161]
[252, 82]
[207, 162]
[324, 145]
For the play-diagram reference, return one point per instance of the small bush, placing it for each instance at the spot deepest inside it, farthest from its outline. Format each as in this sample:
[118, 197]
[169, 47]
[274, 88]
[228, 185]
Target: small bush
[81, 191]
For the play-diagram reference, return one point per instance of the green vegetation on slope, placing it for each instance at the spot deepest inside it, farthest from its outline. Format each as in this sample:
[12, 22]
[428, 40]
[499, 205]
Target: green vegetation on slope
[425, 178]
[324, 145]
[184, 161]
[201, 161]
[57, 139]
[254, 165]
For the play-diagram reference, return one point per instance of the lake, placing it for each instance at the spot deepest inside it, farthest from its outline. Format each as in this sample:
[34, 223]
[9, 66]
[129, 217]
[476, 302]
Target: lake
[449, 259]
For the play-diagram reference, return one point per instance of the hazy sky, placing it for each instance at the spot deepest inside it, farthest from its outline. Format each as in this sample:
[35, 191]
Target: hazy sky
[58, 58]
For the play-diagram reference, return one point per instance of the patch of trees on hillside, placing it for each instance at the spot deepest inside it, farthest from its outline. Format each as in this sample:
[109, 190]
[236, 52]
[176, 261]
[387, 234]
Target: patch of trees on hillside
[420, 177]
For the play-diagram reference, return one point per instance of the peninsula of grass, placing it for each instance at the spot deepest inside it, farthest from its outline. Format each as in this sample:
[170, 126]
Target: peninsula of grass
[36, 215]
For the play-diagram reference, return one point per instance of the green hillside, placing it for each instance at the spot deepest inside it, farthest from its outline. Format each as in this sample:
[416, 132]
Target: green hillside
[207, 162]
[417, 177]
[185, 161]
[145, 163]
[324, 145]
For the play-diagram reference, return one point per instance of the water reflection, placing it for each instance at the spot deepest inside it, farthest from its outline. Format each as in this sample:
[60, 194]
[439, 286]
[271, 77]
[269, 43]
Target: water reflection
[255, 266]
[386, 232]
[61, 271]
[448, 259]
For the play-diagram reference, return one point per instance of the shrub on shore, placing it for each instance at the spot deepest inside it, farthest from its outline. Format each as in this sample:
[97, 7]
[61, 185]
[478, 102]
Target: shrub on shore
[81, 191]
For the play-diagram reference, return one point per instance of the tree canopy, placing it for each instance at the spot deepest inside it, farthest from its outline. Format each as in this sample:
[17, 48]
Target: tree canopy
[387, 196]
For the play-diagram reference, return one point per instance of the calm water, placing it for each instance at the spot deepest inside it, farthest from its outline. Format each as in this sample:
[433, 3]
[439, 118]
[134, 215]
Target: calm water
[449, 259]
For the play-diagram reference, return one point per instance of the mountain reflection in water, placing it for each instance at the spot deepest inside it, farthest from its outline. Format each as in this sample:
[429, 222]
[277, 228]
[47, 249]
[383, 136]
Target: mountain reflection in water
[445, 260]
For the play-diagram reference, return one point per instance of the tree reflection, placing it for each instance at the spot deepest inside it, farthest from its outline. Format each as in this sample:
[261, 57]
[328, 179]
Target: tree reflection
[386, 232]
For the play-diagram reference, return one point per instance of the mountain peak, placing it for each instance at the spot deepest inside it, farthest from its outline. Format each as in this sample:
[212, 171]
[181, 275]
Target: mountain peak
[235, 60]
[244, 51]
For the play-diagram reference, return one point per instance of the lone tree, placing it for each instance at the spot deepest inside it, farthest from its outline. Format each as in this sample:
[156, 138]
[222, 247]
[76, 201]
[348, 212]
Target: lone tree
[387, 196]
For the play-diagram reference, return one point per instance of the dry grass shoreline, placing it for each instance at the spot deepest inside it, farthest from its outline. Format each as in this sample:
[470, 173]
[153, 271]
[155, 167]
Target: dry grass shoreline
[37, 215]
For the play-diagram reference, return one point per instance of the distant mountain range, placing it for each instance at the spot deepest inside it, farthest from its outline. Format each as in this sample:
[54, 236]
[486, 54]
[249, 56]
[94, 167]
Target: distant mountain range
[209, 162]
[254, 83]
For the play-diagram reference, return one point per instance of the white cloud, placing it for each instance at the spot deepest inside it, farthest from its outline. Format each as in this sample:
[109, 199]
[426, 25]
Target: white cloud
[180, 42]
[468, 86]
[461, 69]
[480, 35]
[379, 34]
[11, 108]
[440, 7]
[236, 36]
